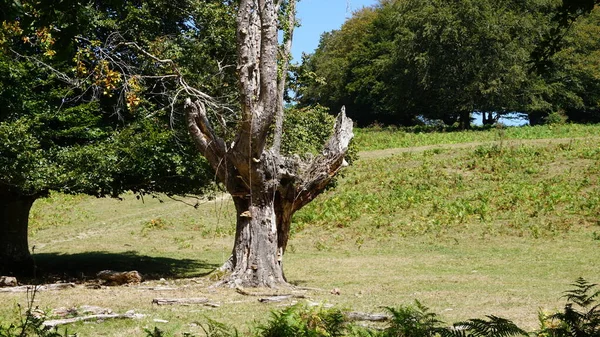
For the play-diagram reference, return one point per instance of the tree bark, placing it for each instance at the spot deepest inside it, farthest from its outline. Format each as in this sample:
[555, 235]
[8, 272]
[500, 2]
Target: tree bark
[465, 120]
[15, 258]
[256, 254]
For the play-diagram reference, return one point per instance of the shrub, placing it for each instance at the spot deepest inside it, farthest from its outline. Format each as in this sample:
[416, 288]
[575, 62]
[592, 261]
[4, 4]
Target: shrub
[302, 321]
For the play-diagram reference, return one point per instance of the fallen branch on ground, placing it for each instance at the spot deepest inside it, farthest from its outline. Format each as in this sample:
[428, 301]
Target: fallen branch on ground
[363, 316]
[184, 301]
[159, 288]
[241, 291]
[57, 322]
[56, 286]
[279, 298]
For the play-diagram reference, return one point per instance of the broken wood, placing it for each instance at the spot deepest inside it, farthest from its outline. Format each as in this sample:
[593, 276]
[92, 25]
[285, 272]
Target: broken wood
[309, 289]
[111, 277]
[8, 281]
[184, 301]
[82, 310]
[160, 288]
[275, 298]
[57, 322]
[59, 286]
[279, 298]
[22, 289]
[242, 291]
[363, 316]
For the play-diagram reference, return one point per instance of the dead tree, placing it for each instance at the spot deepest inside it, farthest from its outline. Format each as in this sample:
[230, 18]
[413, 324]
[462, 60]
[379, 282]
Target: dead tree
[267, 187]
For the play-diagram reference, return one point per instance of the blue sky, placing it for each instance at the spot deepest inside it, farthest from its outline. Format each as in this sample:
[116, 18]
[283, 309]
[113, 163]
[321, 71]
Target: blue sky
[318, 16]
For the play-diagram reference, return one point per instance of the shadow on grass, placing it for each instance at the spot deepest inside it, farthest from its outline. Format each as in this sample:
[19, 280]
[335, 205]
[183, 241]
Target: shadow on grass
[83, 266]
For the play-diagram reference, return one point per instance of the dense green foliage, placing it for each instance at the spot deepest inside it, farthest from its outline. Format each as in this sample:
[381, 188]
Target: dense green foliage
[109, 128]
[406, 62]
[86, 108]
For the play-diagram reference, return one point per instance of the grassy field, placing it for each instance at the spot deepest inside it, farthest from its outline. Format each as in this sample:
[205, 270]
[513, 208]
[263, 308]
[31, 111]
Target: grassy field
[497, 226]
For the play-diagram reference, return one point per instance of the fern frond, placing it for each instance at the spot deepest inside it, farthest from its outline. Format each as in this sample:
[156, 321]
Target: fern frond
[579, 295]
[492, 327]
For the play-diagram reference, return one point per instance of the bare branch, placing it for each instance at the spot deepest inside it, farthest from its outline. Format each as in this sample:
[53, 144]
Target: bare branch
[285, 59]
[62, 76]
[208, 143]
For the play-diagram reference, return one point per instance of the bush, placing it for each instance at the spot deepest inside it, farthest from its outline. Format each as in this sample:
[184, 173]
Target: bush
[557, 117]
[302, 321]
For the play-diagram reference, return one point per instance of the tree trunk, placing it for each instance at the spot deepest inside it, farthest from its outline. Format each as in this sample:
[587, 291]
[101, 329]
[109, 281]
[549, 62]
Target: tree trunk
[15, 258]
[257, 255]
[465, 120]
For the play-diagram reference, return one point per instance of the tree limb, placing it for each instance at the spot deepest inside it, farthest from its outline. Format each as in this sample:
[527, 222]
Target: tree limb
[285, 59]
[211, 146]
[321, 170]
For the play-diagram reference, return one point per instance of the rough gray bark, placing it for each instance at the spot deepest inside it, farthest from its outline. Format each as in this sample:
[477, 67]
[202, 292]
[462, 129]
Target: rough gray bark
[267, 187]
[15, 258]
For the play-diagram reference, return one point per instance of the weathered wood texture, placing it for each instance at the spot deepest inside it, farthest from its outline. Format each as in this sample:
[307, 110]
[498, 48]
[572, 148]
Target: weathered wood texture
[8, 281]
[22, 289]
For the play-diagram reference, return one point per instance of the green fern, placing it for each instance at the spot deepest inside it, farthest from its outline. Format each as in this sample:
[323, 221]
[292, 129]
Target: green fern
[213, 328]
[580, 294]
[413, 321]
[300, 321]
[580, 317]
[492, 327]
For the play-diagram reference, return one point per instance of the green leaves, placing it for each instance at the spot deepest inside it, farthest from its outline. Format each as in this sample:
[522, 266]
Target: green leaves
[404, 60]
[110, 129]
[302, 321]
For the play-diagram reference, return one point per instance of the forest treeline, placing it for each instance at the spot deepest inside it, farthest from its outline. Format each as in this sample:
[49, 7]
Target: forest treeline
[407, 62]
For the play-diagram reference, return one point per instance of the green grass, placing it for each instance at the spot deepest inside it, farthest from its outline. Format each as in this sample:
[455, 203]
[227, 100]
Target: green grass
[497, 228]
[385, 138]
[492, 190]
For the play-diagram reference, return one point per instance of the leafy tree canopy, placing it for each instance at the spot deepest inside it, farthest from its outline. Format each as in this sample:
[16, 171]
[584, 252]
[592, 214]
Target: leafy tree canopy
[88, 101]
[411, 60]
